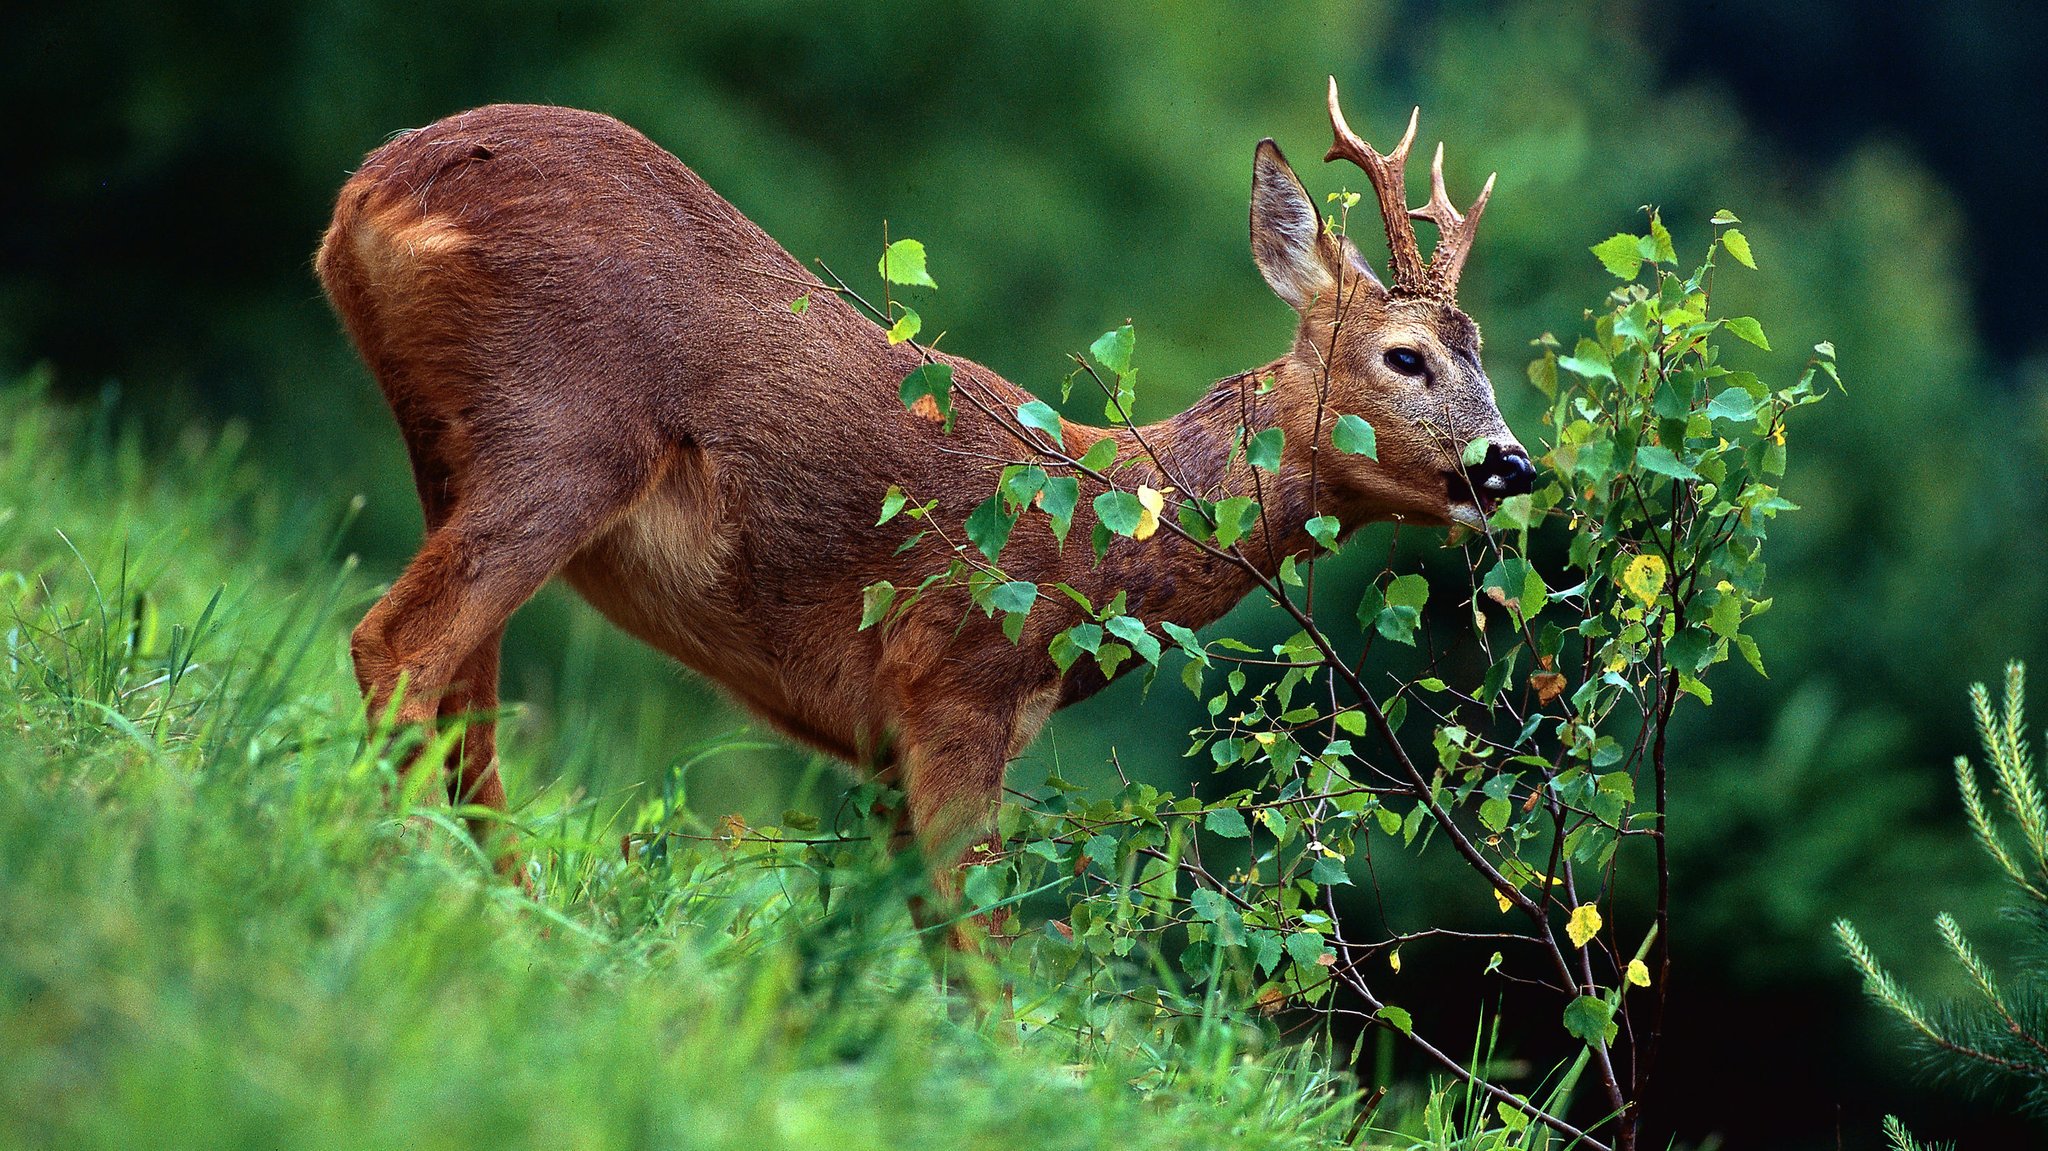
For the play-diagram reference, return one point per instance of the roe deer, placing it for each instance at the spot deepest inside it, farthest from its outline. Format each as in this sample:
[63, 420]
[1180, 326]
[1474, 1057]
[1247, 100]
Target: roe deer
[597, 372]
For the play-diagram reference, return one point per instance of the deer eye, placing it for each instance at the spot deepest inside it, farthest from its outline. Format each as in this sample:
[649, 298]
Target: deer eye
[1406, 361]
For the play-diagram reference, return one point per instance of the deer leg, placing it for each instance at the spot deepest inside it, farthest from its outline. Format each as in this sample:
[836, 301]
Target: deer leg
[472, 765]
[436, 630]
[952, 781]
[472, 696]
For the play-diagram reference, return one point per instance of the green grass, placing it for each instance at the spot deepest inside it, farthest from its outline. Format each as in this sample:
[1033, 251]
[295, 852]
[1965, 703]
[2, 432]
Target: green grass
[220, 928]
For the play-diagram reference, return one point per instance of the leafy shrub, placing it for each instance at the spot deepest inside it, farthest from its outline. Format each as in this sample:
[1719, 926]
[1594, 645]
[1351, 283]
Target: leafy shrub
[1531, 740]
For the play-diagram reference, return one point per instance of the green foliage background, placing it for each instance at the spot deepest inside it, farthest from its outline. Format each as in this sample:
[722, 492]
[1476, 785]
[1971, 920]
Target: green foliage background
[1070, 166]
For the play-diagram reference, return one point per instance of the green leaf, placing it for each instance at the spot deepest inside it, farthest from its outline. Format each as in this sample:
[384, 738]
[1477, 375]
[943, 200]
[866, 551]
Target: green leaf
[1099, 455]
[1071, 644]
[1621, 254]
[1329, 871]
[988, 526]
[892, 502]
[1688, 650]
[1474, 452]
[874, 603]
[1511, 1117]
[1747, 646]
[1113, 349]
[1657, 458]
[1517, 513]
[1263, 450]
[1400, 1020]
[1738, 247]
[1409, 590]
[1185, 639]
[1234, 517]
[1119, 511]
[906, 326]
[1518, 585]
[1660, 241]
[1265, 949]
[1132, 631]
[1724, 216]
[1591, 1019]
[1397, 612]
[1305, 947]
[1209, 904]
[1589, 361]
[800, 305]
[903, 263]
[983, 886]
[1021, 484]
[1227, 822]
[1732, 404]
[1748, 329]
[1014, 596]
[1354, 436]
[934, 380]
[1039, 414]
[1101, 848]
[1057, 500]
[1323, 529]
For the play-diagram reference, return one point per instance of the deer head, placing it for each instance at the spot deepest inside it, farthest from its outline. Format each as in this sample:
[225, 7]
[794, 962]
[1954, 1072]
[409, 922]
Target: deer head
[1400, 355]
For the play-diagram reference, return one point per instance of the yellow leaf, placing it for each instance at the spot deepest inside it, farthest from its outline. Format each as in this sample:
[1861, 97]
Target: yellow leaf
[1150, 504]
[1501, 897]
[1638, 974]
[1394, 960]
[1584, 924]
[1643, 578]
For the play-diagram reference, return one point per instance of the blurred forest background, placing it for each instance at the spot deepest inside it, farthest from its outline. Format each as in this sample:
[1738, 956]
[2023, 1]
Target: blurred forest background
[1070, 166]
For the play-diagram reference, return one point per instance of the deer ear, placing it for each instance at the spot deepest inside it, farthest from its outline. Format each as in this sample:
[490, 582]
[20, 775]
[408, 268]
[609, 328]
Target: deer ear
[1287, 232]
[1298, 258]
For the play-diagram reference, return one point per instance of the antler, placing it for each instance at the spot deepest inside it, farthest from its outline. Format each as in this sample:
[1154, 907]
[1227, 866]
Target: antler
[1453, 231]
[1388, 176]
[1437, 279]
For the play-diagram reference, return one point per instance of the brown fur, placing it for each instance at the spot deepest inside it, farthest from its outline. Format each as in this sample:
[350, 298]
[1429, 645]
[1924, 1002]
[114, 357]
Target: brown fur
[593, 363]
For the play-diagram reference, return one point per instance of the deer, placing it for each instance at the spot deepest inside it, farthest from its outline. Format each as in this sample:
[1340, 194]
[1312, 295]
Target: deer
[595, 366]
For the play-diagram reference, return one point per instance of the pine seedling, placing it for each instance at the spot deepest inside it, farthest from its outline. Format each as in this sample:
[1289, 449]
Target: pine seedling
[1997, 1036]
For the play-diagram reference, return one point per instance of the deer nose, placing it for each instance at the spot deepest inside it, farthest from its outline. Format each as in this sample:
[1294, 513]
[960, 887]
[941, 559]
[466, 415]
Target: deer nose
[1504, 473]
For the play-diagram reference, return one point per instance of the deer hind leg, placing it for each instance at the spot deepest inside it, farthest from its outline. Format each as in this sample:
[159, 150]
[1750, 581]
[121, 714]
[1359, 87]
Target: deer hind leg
[472, 696]
[435, 633]
[472, 764]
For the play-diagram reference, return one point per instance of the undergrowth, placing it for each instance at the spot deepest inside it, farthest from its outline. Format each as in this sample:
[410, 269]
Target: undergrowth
[223, 925]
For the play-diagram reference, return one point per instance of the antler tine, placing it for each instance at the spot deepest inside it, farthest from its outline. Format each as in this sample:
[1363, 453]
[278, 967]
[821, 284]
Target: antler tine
[1440, 211]
[1387, 174]
[1454, 231]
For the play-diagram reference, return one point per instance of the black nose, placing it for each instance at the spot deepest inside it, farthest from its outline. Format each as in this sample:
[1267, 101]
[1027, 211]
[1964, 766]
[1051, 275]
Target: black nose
[1503, 473]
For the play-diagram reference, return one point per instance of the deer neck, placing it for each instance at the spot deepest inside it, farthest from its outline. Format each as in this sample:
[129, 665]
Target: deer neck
[1170, 578]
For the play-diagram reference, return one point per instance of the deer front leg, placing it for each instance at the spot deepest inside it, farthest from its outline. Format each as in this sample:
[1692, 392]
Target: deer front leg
[953, 763]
